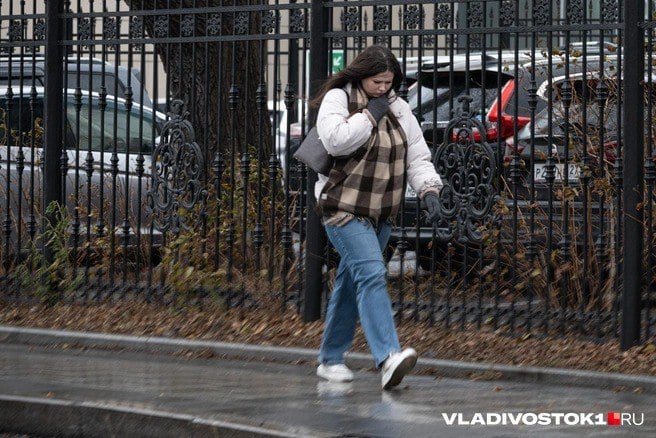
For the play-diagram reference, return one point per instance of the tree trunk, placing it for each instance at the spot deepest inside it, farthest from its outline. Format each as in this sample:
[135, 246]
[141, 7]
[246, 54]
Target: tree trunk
[217, 81]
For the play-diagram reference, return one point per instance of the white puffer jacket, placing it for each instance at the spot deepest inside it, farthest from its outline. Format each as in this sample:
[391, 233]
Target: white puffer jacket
[342, 135]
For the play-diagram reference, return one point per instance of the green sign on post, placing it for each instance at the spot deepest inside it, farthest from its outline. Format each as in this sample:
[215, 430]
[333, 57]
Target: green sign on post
[337, 60]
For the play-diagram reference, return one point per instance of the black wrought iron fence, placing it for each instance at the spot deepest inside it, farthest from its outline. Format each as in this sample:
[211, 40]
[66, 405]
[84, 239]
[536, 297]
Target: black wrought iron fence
[146, 150]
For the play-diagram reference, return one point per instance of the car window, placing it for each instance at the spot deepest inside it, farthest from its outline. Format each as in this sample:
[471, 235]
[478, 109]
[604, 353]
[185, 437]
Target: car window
[21, 73]
[447, 100]
[426, 94]
[98, 129]
[96, 82]
[518, 104]
[26, 80]
[443, 99]
[592, 119]
[20, 118]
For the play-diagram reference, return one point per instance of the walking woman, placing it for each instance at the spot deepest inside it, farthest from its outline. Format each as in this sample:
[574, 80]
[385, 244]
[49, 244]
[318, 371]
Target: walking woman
[378, 147]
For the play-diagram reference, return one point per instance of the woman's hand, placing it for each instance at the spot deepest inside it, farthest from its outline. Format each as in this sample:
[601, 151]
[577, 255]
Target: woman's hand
[377, 107]
[432, 202]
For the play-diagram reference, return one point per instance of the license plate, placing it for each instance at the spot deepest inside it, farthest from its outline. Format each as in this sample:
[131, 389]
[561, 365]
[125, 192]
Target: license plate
[540, 172]
[409, 192]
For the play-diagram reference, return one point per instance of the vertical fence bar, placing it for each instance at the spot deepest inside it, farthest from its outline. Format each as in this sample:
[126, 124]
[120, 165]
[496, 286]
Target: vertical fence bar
[52, 184]
[315, 237]
[650, 179]
[633, 172]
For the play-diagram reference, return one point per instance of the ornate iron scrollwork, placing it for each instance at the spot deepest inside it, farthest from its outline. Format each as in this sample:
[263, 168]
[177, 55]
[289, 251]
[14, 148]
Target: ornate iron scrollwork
[610, 11]
[161, 26]
[541, 11]
[187, 25]
[84, 30]
[109, 28]
[412, 16]
[468, 169]
[443, 16]
[269, 22]
[242, 23]
[39, 29]
[177, 174]
[213, 25]
[381, 17]
[15, 30]
[575, 12]
[507, 13]
[475, 18]
[351, 19]
[296, 21]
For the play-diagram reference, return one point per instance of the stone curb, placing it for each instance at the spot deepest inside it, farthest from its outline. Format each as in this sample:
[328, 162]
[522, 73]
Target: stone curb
[54, 417]
[436, 367]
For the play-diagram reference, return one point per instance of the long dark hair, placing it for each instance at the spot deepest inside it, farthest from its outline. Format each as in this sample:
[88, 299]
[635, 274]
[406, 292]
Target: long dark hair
[370, 62]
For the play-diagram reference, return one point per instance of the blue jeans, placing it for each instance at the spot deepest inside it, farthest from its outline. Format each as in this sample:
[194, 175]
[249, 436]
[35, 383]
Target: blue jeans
[360, 290]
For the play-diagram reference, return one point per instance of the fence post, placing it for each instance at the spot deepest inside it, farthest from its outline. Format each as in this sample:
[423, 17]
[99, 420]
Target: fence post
[315, 240]
[53, 101]
[632, 186]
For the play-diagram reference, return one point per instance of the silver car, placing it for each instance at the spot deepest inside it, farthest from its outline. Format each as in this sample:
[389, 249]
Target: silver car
[108, 169]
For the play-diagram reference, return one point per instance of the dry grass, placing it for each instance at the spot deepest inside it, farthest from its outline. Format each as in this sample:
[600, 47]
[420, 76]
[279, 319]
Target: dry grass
[273, 328]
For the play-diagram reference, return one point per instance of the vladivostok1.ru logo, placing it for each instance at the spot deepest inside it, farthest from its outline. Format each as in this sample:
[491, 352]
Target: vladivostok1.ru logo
[544, 419]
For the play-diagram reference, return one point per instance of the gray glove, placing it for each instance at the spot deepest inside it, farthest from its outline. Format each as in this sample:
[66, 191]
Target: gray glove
[432, 202]
[378, 106]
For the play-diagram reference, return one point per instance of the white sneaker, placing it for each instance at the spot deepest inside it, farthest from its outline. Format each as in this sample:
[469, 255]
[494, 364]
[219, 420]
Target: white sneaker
[396, 366]
[335, 373]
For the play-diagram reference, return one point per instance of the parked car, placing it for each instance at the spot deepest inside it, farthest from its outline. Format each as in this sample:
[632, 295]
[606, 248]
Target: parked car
[97, 142]
[86, 73]
[435, 96]
[591, 47]
[567, 133]
[581, 140]
[504, 107]
[14, 75]
[412, 66]
[511, 111]
[442, 82]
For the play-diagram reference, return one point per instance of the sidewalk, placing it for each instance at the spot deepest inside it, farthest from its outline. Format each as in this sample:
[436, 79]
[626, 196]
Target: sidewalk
[71, 383]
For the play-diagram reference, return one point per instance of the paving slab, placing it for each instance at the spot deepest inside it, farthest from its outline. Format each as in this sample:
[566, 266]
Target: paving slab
[70, 390]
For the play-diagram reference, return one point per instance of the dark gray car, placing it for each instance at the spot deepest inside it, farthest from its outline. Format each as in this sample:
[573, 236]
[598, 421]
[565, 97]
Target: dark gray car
[89, 74]
[501, 109]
